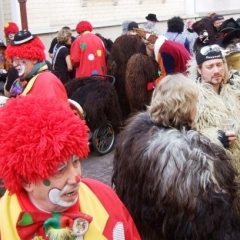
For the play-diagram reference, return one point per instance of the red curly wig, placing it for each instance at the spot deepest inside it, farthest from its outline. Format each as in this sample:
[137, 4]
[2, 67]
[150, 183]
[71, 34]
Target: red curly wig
[10, 27]
[84, 26]
[33, 50]
[37, 135]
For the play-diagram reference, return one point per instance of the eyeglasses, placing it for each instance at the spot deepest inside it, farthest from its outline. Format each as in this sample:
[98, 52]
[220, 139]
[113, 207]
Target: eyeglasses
[211, 48]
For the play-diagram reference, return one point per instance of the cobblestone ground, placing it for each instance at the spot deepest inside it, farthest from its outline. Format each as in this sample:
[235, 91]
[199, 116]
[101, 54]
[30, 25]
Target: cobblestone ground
[98, 167]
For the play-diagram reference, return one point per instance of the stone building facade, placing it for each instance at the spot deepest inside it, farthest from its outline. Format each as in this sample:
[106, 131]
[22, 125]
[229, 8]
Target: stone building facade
[46, 17]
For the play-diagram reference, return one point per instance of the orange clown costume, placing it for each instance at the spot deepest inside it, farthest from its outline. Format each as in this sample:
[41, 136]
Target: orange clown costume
[37, 136]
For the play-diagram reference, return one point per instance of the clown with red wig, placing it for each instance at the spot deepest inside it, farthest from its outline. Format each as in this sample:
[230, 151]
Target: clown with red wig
[88, 53]
[42, 142]
[27, 54]
[10, 29]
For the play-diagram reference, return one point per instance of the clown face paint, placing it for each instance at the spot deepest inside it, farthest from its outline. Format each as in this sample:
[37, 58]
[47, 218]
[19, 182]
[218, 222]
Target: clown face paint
[47, 182]
[65, 197]
[58, 192]
[21, 70]
[23, 66]
[11, 36]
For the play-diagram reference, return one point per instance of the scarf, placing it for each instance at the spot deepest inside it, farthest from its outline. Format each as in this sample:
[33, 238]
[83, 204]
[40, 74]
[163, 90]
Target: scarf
[19, 84]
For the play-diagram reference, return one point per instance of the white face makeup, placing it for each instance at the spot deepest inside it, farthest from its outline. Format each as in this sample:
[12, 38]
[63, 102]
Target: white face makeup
[21, 70]
[60, 191]
[11, 36]
[65, 197]
[20, 66]
[23, 66]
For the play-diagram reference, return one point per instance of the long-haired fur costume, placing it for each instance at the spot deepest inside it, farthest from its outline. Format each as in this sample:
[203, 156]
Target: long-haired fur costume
[176, 185]
[202, 25]
[98, 98]
[123, 48]
[141, 69]
[214, 108]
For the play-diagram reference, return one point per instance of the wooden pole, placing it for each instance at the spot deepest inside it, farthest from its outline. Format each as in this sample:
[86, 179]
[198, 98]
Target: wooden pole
[23, 11]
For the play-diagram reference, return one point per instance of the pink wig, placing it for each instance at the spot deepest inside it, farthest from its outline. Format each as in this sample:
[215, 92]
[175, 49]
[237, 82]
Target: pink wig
[84, 26]
[10, 27]
[37, 135]
[189, 23]
[33, 50]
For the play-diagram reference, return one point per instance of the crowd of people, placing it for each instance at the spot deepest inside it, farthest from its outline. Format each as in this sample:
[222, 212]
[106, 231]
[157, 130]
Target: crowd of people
[176, 163]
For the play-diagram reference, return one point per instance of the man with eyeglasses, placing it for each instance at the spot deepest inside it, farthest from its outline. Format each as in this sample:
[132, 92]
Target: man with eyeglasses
[218, 115]
[34, 78]
[42, 142]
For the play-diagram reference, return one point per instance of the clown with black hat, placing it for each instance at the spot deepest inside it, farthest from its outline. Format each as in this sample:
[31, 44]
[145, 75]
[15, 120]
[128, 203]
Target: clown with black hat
[27, 54]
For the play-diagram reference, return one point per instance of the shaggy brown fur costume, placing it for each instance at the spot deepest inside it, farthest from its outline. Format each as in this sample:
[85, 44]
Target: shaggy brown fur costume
[176, 185]
[141, 69]
[205, 24]
[123, 48]
[98, 98]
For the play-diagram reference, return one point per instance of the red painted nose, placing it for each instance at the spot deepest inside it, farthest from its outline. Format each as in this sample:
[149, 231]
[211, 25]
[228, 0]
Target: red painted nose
[77, 179]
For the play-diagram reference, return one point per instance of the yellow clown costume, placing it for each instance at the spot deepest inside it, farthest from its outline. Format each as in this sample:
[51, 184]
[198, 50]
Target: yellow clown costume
[42, 142]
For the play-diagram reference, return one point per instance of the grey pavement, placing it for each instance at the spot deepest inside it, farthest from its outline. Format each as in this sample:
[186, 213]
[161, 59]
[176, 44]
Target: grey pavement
[98, 167]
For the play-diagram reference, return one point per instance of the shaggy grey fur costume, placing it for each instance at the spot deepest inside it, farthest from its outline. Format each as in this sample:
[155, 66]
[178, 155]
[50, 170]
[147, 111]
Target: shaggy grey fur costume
[176, 184]
[214, 108]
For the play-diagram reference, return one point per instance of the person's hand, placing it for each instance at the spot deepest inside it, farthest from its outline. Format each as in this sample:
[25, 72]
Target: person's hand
[231, 136]
[227, 138]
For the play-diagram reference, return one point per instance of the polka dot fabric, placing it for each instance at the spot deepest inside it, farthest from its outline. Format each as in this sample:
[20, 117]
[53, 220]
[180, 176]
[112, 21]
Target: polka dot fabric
[88, 55]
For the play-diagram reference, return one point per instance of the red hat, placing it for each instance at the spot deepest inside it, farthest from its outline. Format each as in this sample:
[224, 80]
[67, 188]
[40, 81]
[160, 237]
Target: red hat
[10, 27]
[84, 26]
[25, 45]
[37, 135]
